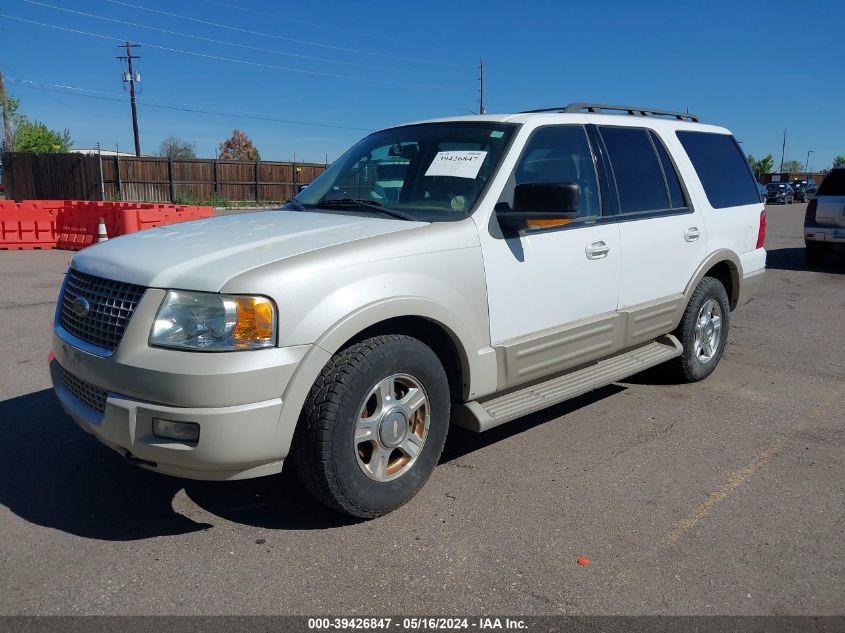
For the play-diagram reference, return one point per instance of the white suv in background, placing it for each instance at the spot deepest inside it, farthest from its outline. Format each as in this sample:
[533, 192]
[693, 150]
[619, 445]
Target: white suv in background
[469, 270]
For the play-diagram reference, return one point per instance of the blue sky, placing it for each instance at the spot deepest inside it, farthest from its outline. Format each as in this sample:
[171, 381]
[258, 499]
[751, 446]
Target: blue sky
[755, 67]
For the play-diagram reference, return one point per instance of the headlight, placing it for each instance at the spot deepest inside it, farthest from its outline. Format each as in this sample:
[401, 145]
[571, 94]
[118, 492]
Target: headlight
[214, 322]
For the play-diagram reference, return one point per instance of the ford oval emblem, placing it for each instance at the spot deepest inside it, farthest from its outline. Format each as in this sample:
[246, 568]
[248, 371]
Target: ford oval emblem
[81, 307]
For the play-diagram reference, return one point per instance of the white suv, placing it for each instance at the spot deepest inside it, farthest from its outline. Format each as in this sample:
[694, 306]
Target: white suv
[470, 269]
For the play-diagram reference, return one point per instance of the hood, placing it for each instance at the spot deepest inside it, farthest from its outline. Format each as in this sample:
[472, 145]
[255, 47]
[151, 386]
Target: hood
[205, 254]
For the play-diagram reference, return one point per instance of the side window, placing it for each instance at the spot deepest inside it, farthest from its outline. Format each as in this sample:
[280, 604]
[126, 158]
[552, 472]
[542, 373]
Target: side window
[721, 167]
[559, 153]
[636, 169]
[673, 182]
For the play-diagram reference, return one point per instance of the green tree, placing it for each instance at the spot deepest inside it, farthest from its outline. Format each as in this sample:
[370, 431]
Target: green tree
[175, 147]
[239, 147]
[763, 166]
[37, 137]
[839, 161]
[793, 167]
[10, 105]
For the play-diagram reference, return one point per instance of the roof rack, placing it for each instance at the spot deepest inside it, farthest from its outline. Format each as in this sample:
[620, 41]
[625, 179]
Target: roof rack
[599, 108]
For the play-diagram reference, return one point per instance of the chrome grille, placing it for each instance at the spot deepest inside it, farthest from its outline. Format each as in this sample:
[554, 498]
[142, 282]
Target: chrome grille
[111, 306]
[89, 395]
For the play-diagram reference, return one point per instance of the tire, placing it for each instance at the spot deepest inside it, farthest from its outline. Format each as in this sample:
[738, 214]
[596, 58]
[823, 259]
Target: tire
[815, 253]
[358, 411]
[698, 361]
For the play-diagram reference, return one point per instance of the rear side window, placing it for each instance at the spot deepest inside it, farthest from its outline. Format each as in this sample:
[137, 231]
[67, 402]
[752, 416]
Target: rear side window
[636, 169]
[721, 167]
[833, 184]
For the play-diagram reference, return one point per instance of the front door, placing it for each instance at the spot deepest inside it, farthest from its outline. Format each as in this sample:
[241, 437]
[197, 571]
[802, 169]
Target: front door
[557, 274]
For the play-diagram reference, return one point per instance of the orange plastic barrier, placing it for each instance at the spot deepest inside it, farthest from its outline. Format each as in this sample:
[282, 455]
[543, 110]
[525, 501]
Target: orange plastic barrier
[78, 227]
[72, 224]
[27, 226]
[148, 216]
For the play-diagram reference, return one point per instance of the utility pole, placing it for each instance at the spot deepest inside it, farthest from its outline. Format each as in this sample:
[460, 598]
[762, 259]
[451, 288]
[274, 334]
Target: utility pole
[783, 150]
[481, 108]
[131, 77]
[7, 117]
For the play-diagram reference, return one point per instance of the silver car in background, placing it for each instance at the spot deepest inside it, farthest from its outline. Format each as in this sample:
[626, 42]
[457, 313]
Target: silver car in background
[824, 220]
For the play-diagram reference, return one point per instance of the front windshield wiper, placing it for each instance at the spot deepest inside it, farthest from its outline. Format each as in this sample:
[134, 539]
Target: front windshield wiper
[373, 205]
[296, 204]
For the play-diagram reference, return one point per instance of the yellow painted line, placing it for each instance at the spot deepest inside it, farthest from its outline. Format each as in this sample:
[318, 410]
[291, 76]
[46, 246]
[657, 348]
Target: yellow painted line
[734, 482]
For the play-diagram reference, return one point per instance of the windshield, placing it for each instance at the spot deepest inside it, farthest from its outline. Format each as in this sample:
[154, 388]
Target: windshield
[428, 172]
[775, 185]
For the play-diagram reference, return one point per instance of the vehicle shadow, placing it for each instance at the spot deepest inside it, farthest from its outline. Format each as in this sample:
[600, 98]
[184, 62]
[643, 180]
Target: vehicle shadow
[54, 474]
[794, 259]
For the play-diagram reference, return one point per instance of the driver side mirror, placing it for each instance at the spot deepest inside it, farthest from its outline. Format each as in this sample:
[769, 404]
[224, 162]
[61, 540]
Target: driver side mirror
[540, 201]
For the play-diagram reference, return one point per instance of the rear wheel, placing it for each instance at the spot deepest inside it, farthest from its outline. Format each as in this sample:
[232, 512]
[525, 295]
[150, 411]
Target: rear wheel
[374, 425]
[703, 331]
[815, 253]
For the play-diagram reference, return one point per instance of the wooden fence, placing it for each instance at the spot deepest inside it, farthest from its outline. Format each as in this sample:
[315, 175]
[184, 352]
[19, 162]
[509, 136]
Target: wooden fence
[818, 176]
[79, 177]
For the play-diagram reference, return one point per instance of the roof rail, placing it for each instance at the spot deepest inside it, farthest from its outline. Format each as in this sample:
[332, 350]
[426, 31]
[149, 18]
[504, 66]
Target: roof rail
[599, 108]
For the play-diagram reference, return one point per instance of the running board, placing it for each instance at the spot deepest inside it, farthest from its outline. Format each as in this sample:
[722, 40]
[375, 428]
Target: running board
[483, 415]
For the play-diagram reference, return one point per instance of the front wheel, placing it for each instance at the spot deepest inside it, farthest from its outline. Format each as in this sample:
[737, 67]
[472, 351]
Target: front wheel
[703, 330]
[374, 425]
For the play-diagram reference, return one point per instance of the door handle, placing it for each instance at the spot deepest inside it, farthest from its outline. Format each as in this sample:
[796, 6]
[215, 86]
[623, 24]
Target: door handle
[597, 250]
[692, 234]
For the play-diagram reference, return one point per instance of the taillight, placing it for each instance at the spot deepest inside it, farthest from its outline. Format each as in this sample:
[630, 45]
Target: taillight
[761, 232]
[810, 213]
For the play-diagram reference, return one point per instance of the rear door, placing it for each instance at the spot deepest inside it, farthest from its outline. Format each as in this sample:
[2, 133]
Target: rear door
[830, 200]
[663, 236]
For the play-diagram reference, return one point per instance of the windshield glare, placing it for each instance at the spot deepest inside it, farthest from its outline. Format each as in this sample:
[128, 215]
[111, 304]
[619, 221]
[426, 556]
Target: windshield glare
[430, 172]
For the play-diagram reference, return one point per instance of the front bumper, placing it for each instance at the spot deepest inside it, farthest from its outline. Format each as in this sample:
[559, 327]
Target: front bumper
[829, 234]
[235, 397]
[235, 442]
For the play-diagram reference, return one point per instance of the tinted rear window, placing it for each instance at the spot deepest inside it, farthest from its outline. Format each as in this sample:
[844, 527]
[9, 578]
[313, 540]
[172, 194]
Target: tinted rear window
[833, 184]
[721, 167]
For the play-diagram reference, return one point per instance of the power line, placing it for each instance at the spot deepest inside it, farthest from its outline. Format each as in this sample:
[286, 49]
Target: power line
[75, 91]
[305, 23]
[289, 39]
[233, 60]
[223, 42]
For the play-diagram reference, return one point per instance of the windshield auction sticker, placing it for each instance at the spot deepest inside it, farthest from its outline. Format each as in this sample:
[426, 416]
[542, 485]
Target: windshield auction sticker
[457, 164]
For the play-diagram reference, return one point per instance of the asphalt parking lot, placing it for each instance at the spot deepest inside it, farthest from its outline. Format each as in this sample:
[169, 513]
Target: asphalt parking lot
[722, 497]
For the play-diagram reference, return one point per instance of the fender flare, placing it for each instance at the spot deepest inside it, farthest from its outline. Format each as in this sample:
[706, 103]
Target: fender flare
[717, 257]
[477, 374]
